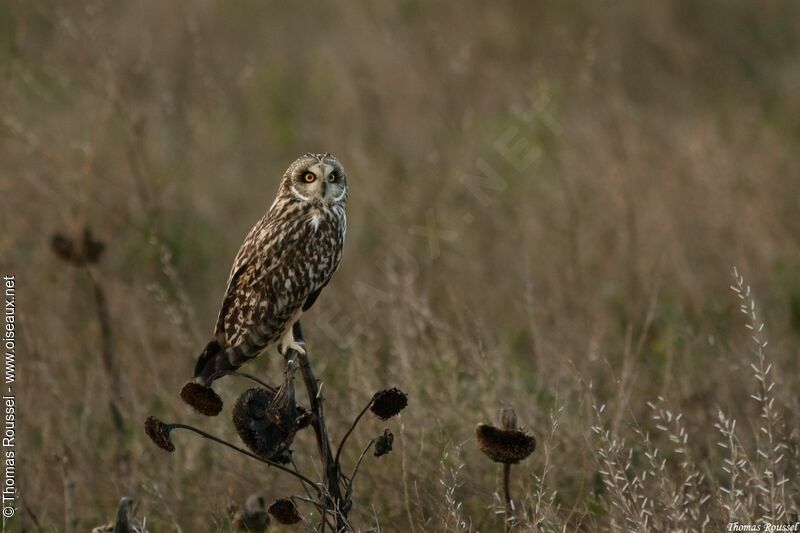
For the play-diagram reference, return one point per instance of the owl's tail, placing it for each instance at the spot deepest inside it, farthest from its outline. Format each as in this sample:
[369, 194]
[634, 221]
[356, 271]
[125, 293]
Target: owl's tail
[212, 363]
[216, 361]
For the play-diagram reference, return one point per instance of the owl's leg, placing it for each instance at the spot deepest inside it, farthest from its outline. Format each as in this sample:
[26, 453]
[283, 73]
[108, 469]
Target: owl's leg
[289, 340]
[298, 332]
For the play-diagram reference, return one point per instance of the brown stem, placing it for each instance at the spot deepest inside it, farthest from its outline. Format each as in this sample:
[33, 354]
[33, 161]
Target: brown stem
[251, 377]
[337, 505]
[349, 431]
[70, 518]
[507, 494]
[115, 403]
[330, 468]
[279, 466]
[358, 465]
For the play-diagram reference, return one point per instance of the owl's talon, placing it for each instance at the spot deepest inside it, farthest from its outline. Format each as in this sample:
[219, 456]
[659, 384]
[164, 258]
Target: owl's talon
[297, 346]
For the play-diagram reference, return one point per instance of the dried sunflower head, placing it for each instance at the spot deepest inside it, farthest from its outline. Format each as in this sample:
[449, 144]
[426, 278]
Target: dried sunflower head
[255, 428]
[78, 251]
[158, 432]
[267, 422]
[506, 444]
[285, 511]
[253, 518]
[383, 444]
[388, 402]
[204, 399]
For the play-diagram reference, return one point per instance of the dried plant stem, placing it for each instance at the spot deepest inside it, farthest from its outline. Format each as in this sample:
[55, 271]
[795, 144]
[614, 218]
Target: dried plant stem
[336, 504]
[30, 512]
[349, 431]
[358, 465]
[330, 469]
[251, 377]
[507, 494]
[209, 436]
[305, 489]
[406, 497]
[107, 354]
[768, 473]
[70, 518]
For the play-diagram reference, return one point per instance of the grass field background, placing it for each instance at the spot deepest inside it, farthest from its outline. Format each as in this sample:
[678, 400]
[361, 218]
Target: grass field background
[547, 200]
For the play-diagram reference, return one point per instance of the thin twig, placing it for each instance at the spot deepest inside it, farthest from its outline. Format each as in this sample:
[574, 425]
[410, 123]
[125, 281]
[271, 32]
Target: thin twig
[294, 464]
[358, 464]
[317, 504]
[507, 494]
[349, 431]
[116, 401]
[70, 518]
[279, 466]
[251, 377]
[30, 512]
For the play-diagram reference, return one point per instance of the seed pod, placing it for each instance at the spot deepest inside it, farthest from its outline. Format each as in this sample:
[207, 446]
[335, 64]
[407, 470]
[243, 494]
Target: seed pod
[267, 422]
[78, 251]
[285, 511]
[508, 445]
[388, 402]
[159, 432]
[383, 444]
[253, 518]
[204, 399]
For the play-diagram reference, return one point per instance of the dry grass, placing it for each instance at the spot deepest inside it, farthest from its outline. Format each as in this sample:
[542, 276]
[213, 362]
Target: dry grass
[583, 278]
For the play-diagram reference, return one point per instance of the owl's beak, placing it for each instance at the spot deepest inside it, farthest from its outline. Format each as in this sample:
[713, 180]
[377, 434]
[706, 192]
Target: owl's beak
[324, 187]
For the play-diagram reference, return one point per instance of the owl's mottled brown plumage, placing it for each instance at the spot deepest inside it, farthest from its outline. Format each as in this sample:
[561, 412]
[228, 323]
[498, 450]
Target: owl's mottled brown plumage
[283, 264]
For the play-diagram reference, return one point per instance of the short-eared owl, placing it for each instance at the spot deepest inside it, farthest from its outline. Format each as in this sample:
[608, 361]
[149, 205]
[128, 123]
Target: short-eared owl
[282, 266]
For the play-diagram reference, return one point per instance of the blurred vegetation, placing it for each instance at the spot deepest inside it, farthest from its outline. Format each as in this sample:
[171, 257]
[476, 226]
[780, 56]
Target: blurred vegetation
[659, 147]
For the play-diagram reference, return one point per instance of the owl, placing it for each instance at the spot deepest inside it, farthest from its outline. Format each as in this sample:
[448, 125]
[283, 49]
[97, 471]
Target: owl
[281, 268]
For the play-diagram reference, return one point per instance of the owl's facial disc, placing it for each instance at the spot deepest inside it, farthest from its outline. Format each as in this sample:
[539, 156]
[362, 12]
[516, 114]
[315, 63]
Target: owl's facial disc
[321, 183]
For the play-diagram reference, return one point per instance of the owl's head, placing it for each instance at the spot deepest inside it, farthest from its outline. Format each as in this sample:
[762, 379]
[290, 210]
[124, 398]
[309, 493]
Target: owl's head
[318, 179]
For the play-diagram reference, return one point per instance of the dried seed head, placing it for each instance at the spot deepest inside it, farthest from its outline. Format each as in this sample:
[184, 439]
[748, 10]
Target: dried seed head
[204, 399]
[383, 444]
[78, 251]
[63, 247]
[266, 423]
[389, 402]
[158, 432]
[92, 249]
[253, 518]
[124, 522]
[508, 446]
[285, 511]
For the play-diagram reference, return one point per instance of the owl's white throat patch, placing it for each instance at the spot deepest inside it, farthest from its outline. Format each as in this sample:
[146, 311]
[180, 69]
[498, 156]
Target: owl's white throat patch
[315, 220]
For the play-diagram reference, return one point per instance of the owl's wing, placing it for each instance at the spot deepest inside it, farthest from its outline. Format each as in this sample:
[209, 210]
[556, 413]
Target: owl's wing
[229, 299]
[240, 281]
[268, 287]
[314, 295]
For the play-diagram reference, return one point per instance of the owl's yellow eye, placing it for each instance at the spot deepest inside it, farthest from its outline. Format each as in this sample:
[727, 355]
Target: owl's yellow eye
[309, 177]
[332, 177]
